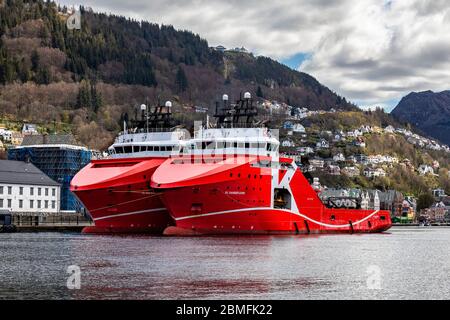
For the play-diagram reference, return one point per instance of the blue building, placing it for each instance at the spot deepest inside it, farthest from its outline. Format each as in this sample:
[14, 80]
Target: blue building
[59, 157]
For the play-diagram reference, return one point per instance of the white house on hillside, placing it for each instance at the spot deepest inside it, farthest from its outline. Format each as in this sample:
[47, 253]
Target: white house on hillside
[298, 128]
[29, 128]
[425, 169]
[322, 144]
[287, 143]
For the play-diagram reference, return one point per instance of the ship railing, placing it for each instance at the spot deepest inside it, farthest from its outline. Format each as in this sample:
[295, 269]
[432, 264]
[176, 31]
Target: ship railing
[150, 130]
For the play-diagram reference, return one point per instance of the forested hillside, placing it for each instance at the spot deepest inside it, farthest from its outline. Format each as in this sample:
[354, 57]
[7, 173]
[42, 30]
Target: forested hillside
[86, 78]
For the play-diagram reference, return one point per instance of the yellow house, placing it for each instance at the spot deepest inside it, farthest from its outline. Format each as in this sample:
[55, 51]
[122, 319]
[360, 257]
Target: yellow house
[376, 129]
[16, 138]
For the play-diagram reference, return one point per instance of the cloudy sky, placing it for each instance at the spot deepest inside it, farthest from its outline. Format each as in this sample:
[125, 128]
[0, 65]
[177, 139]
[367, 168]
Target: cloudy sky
[373, 52]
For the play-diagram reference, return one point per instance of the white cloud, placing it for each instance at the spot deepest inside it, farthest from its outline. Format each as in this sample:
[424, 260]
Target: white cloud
[370, 51]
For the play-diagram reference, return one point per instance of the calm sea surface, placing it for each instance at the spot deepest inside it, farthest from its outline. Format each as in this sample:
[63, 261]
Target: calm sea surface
[405, 263]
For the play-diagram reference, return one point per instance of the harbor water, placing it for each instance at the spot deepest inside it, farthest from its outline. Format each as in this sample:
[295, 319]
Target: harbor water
[403, 263]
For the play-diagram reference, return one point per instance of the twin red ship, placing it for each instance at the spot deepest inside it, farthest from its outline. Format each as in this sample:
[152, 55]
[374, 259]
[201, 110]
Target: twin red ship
[226, 180]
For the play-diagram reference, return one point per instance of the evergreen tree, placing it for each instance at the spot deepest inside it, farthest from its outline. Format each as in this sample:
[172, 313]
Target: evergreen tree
[34, 61]
[84, 99]
[181, 80]
[259, 92]
[97, 101]
[43, 76]
[2, 73]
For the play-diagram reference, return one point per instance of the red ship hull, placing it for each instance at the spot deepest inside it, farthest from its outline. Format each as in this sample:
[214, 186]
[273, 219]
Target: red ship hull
[118, 196]
[238, 197]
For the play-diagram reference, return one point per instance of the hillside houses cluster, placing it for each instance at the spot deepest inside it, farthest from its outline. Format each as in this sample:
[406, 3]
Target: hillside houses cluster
[370, 166]
[420, 141]
[222, 49]
[15, 138]
[292, 113]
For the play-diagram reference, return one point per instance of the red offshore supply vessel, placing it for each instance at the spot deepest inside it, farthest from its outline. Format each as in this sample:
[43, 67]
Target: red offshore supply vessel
[233, 181]
[116, 191]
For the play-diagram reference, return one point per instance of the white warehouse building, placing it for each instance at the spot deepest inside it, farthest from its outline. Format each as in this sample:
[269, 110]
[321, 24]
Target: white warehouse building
[26, 189]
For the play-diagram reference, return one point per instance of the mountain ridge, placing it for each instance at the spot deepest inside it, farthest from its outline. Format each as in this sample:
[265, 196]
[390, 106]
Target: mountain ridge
[427, 110]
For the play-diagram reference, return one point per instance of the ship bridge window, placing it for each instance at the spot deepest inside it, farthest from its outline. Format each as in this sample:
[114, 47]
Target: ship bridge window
[163, 148]
[149, 148]
[118, 149]
[254, 145]
[169, 148]
[127, 149]
[247, 145]
[156, 148]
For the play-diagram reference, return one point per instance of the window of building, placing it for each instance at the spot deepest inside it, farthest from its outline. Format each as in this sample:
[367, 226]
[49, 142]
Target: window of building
[9, 203]
[53, 204]
[46, 204]
[46, 192]
[9, 190]
[31, 191]
[31, 204]
[39, 191]
[1, 203]
[20, 203]
[39, 204]
[1, 189]
[53, 192]
[21, 191]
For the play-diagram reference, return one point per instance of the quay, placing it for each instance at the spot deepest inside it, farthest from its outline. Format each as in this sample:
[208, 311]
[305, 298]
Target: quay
[52, 223]
[52, 228]
[415, 224]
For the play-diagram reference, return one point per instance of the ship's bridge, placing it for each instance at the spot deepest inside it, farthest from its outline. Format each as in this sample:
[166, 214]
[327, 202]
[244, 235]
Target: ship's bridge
[143, 144]
[254, 141]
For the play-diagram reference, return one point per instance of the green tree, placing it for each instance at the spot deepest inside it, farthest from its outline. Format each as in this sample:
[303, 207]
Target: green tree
[84, 98]
[259, 92]
[181, 80]
[97, 100]
[43, 76]
[425, 200]
[34, 61]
